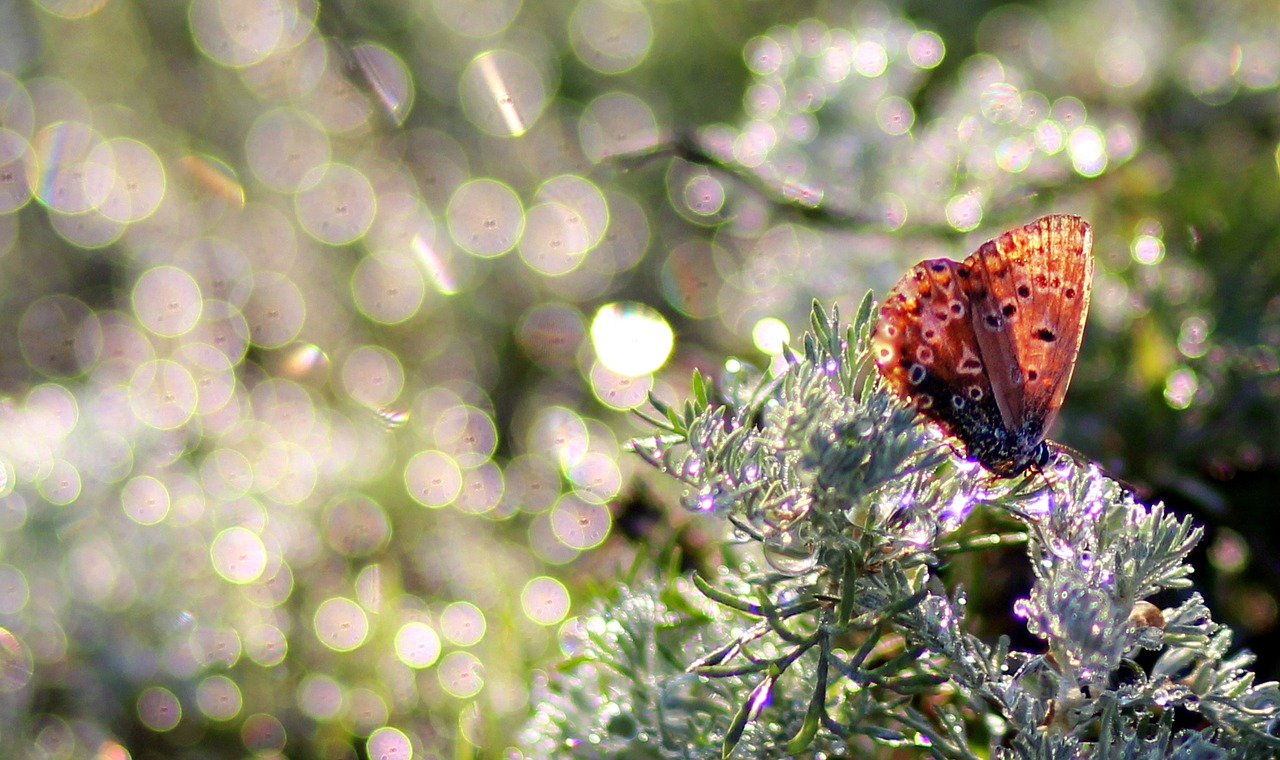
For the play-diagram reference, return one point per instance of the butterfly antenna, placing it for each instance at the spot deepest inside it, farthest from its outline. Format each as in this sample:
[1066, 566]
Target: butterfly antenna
[1082, 460]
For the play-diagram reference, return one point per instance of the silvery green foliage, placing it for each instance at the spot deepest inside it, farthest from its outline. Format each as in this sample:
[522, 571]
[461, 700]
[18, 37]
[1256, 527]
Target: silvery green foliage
[835, 634]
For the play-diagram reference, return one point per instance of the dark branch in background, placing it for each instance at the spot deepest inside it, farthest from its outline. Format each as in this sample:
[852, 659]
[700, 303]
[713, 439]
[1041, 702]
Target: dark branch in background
[795, 196]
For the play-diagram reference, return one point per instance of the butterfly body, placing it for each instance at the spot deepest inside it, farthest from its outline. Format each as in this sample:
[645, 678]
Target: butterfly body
[986, 347]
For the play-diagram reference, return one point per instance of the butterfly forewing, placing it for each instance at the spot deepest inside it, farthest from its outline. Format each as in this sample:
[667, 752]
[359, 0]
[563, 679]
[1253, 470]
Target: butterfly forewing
[986, 347]
[1030, 295]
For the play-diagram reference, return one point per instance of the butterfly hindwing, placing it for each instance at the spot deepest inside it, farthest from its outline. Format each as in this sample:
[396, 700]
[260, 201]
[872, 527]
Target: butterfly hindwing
[925, 347]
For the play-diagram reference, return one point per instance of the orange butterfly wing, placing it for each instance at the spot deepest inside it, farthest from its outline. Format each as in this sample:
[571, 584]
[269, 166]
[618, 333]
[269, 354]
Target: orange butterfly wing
[1030, 292]
[986, 347]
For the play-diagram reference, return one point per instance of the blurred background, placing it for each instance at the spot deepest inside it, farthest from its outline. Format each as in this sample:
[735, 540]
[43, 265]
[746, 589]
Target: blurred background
[322, 324]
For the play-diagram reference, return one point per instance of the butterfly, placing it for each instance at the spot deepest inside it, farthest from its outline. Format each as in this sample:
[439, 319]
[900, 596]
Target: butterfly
[986, 347]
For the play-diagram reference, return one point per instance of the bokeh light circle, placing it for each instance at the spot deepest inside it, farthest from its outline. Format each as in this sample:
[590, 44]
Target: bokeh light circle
[618, 391]
[482, 490]
[167, 301]
[341, 624]
[895, 115]
[61, 483]
[336, 205]
[59, 336]
[16, 663]
[502, 93]
[223, 328]
[389, 743]
[462, 624]
[554, 240]
[545, 600]
[685, 282]
[227, 474]
[388, 287]
[870, 59]
[611, 36]
[213, 374]
[432, 478]
[365, 712]
[238, 555]
[276, 310]
[596, 477]
[485, 218]
[163, 394]
[51, 410]
[219, 267]
[219, 698]
[373, 376]
[238, 32]
[263, 735]
[466, 434]
[356, 526]
[551, 333]
[765, 56]
[617, 123]
[1088, 149]
[631, 338]
[628, 235]
[159, 709]
[283, 146]
[266, 645]
[584, 198]
[1180, 388]
[770, 335]
[926, 49]
[703, 195]
[139, 182]
[461, 674]
[145, 500]
[15, 592]
[319, 696]
[579, 524]
[964, 212]
[417, 645]
[560, 433]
